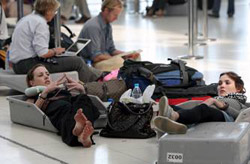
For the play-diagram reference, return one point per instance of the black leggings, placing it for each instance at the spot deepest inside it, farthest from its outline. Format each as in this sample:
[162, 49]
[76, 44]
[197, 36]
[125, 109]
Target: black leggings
[61, 114]
[199, 114]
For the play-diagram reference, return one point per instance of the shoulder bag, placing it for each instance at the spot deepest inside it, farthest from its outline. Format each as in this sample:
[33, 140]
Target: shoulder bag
[129, 121]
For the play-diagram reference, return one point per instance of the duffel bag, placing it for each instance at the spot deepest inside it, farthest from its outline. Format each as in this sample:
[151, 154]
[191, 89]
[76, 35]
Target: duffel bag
[105, 90]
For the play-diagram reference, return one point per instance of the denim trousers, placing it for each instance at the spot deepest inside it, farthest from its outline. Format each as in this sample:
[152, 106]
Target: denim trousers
[217, 4]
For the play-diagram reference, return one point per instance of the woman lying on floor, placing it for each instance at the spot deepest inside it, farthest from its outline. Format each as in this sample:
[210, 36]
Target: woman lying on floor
[225, 107]
[73, 116]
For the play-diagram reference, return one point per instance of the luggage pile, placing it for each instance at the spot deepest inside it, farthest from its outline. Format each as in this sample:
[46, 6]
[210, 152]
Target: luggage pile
[174, 80]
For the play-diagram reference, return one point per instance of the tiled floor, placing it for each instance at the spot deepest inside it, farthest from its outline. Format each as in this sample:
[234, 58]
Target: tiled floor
[159, 38]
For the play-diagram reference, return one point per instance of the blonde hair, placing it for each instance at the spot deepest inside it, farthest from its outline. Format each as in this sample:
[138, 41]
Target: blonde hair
[42, 6]
[111, 4]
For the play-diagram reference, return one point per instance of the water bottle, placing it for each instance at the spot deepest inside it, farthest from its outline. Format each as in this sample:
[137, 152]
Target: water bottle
[7, 61]
[110, 104]
[89, 63]
[136, 92]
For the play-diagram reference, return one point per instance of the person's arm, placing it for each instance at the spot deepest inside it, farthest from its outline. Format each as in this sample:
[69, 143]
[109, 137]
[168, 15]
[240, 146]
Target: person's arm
[95, 49]
[40, 42]
[134, 55]
[51, 87]
[234, 106]
[117, 52]
[53, 52]
[101, 57]
[219, 104]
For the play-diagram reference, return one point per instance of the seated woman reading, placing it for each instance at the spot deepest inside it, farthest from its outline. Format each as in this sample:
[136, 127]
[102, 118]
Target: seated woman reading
[73, 116]
[225, 107]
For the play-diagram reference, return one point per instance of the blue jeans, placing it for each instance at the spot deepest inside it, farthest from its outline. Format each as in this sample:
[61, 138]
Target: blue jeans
[216, 7]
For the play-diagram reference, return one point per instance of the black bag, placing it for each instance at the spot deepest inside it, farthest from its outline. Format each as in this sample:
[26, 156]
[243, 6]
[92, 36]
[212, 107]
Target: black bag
[129, 121]
[176, 2]
[196, 91]
[66, 40]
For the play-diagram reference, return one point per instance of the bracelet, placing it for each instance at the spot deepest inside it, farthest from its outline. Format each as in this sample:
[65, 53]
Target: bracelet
[40, 96]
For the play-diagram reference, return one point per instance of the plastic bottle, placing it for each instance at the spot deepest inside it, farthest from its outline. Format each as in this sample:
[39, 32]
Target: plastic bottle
[110, 104]
[89, 63]
[136, 92]
[7, 61]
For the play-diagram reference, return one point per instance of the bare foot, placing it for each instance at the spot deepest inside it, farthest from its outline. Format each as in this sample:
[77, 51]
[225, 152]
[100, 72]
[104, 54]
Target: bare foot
[84, 137]
[80, 119]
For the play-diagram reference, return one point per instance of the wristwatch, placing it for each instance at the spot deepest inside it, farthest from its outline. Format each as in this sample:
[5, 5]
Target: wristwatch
[40, 96]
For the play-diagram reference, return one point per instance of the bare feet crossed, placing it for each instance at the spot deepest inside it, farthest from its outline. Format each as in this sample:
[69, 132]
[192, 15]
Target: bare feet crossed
[80, 119]
[84, 137]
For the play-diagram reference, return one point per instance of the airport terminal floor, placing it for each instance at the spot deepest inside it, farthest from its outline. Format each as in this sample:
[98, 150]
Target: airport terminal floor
[159, 38]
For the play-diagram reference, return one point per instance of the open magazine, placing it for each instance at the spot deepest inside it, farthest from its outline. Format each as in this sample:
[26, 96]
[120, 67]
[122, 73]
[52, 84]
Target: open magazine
[115, 62]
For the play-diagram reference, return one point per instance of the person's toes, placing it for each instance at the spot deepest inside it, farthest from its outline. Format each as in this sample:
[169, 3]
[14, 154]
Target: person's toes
[80, 119]
[84, 137]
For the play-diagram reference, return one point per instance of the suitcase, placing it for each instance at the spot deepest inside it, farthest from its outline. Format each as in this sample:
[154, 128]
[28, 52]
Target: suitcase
[207, 143]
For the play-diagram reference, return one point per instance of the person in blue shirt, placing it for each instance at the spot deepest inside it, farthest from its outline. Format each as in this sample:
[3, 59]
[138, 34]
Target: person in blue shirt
[99, 31]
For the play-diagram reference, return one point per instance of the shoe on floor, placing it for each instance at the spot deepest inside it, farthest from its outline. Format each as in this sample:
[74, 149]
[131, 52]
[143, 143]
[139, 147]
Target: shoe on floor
[165, 125]
[164, 108]
[213, 15]
[83, 19]
[149, 12]
[230, 15]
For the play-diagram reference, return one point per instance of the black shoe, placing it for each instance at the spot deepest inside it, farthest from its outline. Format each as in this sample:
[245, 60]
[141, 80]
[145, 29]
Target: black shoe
[230, 15]
[214, 15]
[83, 19]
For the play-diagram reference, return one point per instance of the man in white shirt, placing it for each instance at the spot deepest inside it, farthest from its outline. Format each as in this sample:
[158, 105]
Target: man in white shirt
[3, 27]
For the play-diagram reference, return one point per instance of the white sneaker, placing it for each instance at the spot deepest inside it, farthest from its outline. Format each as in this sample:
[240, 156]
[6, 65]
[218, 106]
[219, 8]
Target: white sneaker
[165, 125]
[164, 108]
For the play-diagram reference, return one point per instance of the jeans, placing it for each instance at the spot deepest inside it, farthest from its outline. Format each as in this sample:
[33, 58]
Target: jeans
[217, 4]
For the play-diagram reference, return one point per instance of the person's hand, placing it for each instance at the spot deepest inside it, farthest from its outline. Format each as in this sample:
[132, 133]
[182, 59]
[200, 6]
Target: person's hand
[132, 56]
[59, 50]
[209, 101]
[219, 104]
[74, 85]
[53, 86]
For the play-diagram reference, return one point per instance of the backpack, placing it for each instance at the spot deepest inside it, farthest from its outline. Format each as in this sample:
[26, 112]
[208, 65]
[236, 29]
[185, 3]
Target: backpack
[66, 40]
[173, 75]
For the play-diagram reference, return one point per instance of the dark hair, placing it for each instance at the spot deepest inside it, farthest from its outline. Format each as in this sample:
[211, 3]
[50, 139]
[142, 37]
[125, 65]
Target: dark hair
[239, 84]
[30, 75]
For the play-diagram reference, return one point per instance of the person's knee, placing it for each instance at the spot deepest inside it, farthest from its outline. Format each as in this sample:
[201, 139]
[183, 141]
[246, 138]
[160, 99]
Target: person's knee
[78, 61]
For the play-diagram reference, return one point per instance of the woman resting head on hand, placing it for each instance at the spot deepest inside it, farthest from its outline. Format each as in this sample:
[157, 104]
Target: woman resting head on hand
[63, 111]
[223, 108]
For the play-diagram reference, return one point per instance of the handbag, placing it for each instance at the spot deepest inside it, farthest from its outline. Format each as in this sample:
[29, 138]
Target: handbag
[129, 121]
[105, 90]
